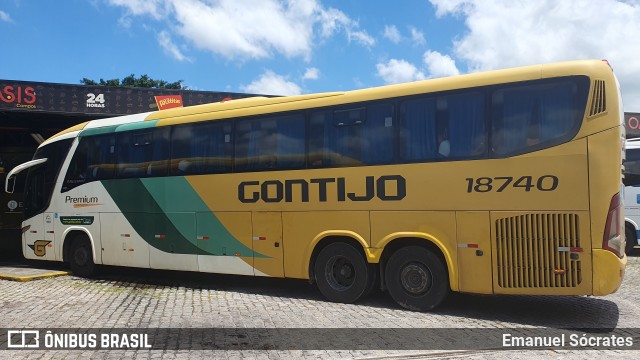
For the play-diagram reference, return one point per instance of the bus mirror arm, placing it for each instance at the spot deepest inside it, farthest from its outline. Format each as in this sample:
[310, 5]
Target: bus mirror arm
[10, 181]
[9, 185]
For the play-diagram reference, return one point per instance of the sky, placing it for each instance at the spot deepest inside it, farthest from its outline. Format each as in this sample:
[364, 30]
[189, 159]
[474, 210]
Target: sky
[289, 47]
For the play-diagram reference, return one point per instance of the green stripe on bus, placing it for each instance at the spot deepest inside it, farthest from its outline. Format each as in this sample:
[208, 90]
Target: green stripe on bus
[167, 211]
[176, 196]
[98, 131]
[147, 218]
[137, 125]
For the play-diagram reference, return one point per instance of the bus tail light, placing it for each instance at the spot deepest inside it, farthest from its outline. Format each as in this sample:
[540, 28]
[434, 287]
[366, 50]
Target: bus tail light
[613, 239]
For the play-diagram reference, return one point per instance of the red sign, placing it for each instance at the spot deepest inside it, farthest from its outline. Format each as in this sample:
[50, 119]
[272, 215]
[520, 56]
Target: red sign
[632, 124]
[168, 101]
[21, 97]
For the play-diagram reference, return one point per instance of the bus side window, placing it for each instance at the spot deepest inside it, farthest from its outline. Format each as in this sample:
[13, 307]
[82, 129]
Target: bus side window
[352, 136]
[274, 143]
[201, 148]
[466, 125]
[418, 130]
[632, 167]
[143, 153]
[530, 117]
[93, 160]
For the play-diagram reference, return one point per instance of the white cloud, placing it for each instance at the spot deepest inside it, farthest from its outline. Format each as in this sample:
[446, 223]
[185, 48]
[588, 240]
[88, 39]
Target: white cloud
[362, 37]
[417, 37]
[439, 65]
[271, 83]
[311, 74]
[250, 29]
[392, 34]
[506, 33]
[164, 39]
[398, 71]
[5, 17]
[154, 8]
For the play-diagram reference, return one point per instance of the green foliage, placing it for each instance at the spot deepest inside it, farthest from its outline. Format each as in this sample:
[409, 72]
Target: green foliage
[143, 81]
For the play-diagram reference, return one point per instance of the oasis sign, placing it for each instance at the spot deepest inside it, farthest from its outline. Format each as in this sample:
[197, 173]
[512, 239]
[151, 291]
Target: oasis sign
[18, 96]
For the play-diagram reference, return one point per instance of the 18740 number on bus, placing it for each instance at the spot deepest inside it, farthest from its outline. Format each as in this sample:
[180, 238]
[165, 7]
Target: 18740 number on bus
[502, 183]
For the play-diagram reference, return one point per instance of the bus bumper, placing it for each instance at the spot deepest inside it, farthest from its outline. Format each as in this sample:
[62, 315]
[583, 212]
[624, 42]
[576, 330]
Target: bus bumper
[608, 272]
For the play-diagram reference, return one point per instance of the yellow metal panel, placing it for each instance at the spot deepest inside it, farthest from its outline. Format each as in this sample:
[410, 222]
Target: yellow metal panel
[239, 225]
[267, 240]
[604, 178]
[474, 263]
[608, 272]
[303, 230]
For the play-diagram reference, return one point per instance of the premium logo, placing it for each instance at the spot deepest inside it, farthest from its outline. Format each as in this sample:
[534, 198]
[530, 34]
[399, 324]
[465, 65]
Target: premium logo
[82, 201]
[40, 247]
[23, 97]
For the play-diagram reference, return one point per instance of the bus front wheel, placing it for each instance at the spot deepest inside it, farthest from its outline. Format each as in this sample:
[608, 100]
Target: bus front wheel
[81, 257]
[416, 278]
[342, 274]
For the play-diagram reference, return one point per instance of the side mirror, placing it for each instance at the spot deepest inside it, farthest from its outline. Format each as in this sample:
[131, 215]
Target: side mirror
[10, 184]
[10, 181]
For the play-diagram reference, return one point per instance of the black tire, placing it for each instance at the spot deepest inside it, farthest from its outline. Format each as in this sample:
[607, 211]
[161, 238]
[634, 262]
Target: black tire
[342, 274]
[81, 258]
[416, 278]
[631, 239]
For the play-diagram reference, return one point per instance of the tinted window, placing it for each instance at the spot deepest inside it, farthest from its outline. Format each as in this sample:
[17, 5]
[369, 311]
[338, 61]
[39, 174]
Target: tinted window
[465, 125]
[632, 167]
[273, 143]
[533, 116]
[451, 126]
[201, 149]
[41, 179]
[418, 130]
[94, 159]
[143, 153]
[352, 137]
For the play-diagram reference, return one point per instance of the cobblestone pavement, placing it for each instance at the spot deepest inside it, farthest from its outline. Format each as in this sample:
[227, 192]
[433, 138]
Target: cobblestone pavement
[131, 298]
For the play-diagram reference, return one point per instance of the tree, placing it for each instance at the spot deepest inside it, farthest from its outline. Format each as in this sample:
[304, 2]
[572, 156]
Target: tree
[143, 81]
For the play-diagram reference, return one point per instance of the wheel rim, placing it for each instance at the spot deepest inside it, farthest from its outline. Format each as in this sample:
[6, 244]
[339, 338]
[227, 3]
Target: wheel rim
[416, 278]
[80, 256]
[340, 273]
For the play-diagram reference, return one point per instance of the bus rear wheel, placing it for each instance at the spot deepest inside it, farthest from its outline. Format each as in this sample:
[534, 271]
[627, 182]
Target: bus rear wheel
[416, 278]
[342, 274]
[81, 257]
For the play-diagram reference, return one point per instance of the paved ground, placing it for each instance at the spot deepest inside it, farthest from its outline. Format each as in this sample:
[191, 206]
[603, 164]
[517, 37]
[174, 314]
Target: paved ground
[134, 299]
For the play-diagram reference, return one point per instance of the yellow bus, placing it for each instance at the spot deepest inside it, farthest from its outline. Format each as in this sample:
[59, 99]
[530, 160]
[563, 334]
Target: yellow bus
[504, 182]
